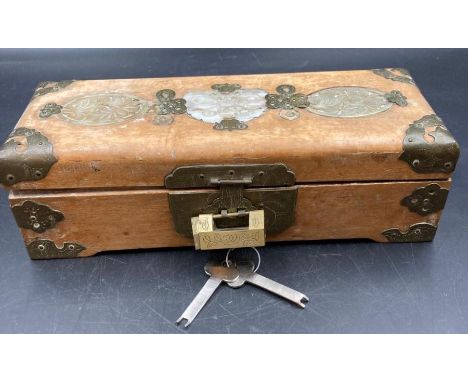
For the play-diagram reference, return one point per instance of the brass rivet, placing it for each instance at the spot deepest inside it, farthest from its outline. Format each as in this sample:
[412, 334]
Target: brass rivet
[71, 247]
[426, 201]
[416, 162]
[38, 174]
[10, 177]
[448, 164]
[417, 231]
[41, 247]
[36, 225]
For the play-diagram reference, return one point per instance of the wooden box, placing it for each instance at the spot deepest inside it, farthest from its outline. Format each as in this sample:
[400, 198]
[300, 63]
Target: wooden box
[122, 164]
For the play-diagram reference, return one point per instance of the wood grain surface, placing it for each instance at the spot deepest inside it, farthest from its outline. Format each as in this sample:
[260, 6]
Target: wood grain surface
[140, 153]
[115, 220]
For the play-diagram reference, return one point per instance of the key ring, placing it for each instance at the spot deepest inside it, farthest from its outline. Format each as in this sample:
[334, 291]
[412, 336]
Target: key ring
[256, 251]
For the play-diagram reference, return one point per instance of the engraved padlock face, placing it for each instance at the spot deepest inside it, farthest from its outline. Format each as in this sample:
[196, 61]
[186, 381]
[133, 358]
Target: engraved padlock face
[235, 237]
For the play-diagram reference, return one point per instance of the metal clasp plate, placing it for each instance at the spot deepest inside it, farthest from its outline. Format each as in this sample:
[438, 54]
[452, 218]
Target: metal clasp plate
[230, 193]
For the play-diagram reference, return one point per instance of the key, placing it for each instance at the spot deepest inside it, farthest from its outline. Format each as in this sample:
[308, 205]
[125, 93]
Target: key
[246, 274]
[218, 273]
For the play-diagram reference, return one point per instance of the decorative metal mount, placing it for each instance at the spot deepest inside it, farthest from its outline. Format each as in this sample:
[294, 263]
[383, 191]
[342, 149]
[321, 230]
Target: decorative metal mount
[226, 88]
[230, 124]
[416, 233]
[50, 87]
[46, 249]
[233, 188]
[429, 147]
[396, 97]
[288, 100]
[395, 74]
[50, 109]
[426, 200]
[36, 216]
[26, 155]
[167, 106]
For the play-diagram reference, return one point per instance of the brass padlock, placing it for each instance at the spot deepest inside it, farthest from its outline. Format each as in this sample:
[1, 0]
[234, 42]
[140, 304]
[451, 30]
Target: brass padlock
[207, 235]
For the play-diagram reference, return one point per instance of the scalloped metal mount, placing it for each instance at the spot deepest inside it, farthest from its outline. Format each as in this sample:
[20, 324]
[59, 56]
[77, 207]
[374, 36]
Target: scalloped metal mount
[27, 155]
[40, 249]
[419, 232]
[35, 216]
[426, 200]
[428, 146]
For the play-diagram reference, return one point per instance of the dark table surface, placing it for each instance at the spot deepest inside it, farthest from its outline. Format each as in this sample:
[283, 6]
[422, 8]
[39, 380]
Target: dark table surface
[353, 286]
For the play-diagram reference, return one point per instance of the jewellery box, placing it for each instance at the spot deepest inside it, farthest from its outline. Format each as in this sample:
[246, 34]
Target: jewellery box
[226, 162]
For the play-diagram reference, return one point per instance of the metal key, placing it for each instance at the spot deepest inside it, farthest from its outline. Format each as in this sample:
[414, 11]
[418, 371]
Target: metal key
[218, 273]
[247, 274]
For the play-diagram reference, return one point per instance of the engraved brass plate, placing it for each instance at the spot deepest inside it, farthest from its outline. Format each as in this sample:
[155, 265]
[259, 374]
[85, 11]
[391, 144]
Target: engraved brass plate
[207, 235]
[46, 249]
[36, 216]
[416, 233]
[26, 155]
[429, 147]
[232, 188]
[426, 200]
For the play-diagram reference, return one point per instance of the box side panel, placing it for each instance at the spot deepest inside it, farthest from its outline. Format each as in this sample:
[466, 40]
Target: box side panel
[114, 220]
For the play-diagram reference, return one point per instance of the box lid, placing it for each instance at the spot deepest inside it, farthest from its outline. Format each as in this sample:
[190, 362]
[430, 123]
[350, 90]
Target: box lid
[366, 125]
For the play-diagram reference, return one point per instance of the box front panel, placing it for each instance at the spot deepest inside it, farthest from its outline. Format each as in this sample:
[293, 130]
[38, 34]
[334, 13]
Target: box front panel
[62, 225]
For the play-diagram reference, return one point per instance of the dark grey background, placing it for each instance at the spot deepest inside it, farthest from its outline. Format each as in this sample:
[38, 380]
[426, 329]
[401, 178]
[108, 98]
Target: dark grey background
[354, 286]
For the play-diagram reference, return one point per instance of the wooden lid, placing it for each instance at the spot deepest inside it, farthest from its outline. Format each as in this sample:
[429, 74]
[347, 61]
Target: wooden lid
[364, 125]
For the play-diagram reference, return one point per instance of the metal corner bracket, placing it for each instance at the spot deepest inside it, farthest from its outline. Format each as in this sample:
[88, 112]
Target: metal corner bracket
[47, 87]
[395, 74]
[428, 146]
[27, 155]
